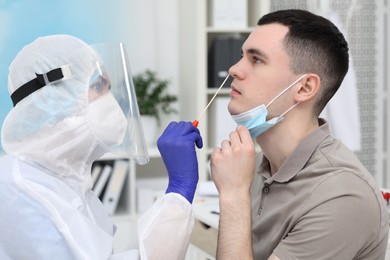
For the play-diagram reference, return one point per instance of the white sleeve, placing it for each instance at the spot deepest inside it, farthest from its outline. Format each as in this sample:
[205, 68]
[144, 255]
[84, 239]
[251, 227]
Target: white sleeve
[164, 230]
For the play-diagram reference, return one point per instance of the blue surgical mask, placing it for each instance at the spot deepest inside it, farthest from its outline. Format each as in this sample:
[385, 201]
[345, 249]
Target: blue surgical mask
[255, 120]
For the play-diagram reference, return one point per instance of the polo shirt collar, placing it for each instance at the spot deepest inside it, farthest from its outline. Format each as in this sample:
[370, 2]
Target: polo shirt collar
[298, 158]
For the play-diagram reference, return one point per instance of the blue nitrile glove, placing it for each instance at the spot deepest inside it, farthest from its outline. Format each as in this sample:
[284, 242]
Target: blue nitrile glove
[177, 149]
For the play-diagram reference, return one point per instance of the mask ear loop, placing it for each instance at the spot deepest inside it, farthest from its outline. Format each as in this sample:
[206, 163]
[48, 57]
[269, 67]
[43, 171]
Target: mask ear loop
[281, 93]
[288, 110]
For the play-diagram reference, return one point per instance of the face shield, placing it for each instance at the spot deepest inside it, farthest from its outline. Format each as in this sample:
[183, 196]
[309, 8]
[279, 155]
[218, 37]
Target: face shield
[113, 104]
[72, 100]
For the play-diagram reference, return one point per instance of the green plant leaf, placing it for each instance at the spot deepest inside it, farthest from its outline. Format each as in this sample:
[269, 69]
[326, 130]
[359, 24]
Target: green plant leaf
[152, 96]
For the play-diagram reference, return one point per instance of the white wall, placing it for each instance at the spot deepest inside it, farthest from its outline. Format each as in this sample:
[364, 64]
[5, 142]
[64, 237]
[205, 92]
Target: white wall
[151, 36]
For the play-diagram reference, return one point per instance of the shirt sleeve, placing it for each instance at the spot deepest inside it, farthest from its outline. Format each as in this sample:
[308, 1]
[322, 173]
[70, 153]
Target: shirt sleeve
[164, 230]
[340, 210]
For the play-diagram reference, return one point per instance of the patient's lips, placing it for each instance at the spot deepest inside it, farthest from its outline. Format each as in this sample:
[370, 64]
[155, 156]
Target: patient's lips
[235, 91]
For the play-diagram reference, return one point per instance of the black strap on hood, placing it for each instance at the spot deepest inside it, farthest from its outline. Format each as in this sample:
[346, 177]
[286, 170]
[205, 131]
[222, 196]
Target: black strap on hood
[33, 85]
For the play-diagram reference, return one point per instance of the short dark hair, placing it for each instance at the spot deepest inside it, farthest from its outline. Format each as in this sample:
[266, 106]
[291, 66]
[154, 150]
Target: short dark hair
[315, 45]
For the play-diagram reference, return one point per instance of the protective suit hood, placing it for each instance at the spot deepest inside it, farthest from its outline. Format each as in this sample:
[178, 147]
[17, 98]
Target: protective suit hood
[51, 126]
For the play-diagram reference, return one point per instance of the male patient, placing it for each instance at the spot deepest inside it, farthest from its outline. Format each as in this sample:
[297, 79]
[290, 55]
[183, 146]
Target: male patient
[311, 198]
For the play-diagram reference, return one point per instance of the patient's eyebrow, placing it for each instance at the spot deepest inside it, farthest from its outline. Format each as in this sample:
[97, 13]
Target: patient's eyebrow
[258, 52]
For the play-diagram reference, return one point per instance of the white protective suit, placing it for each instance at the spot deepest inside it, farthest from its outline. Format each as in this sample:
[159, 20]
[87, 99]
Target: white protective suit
[48, 210]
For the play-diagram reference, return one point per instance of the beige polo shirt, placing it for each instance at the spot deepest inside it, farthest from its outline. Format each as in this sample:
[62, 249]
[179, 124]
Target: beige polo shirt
[321, 204]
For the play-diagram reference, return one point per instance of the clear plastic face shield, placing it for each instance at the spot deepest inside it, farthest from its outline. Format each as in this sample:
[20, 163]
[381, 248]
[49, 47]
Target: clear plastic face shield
[113, 104]
[80, 100]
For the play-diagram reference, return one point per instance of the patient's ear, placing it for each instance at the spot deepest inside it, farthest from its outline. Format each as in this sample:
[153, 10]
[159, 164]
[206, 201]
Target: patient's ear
[309, 87]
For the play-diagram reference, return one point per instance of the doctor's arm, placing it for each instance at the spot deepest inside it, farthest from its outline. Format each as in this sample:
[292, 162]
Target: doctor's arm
[164, 230]
[232, 169]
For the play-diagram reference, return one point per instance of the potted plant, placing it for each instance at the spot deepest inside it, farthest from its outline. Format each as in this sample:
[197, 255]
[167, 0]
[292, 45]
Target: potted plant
[153, 100]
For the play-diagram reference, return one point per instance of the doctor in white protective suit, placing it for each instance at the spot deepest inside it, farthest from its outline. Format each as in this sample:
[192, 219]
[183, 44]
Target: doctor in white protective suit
[73, 103]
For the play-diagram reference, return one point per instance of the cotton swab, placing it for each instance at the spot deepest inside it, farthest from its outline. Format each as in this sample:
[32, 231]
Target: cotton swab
[196, 121]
